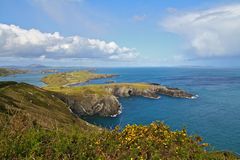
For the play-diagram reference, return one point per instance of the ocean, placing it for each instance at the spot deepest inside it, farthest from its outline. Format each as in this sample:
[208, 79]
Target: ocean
[214, 115]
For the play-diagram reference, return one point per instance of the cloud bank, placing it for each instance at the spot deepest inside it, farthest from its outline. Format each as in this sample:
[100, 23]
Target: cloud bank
[32, 43]
[212, 32]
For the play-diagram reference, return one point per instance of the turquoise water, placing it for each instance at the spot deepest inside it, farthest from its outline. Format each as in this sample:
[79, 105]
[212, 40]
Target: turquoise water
[215, 115]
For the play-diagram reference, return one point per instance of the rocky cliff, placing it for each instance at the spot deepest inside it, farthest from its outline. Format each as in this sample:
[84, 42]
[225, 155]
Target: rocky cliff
[92, 104]
[102, 99]
[148, 90]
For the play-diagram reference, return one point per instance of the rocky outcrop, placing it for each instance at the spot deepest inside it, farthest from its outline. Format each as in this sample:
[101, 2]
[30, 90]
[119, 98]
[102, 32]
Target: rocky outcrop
[131, 91]
[107, 104]
[92, 104]
[152, 91]
[173, 92]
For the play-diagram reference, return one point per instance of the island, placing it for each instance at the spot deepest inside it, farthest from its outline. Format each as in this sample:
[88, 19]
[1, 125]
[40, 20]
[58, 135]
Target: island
[9, 71]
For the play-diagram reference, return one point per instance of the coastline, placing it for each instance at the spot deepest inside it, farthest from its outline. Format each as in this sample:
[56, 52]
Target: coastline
[189, 106]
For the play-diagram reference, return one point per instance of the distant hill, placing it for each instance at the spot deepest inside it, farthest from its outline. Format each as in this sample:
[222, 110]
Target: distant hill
[36, 66]
[8, 71]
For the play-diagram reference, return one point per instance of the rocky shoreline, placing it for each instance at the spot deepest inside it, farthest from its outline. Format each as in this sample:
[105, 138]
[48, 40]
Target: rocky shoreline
[108, 104]
[102, 99]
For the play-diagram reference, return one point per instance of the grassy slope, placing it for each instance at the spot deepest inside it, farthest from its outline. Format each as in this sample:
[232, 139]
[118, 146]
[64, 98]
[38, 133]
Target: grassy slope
[61, 79]
[98, 89]
[6, 71]
[155, 141]
[58, 83]
[39, 104]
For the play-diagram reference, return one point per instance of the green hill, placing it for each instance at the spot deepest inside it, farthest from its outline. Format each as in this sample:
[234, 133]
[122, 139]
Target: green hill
[37, 103]
[71, 78]
[7, 71]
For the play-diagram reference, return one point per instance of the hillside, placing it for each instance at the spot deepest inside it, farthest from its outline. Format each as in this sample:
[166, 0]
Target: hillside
[35, 124]
[7, 71]
[40, 105]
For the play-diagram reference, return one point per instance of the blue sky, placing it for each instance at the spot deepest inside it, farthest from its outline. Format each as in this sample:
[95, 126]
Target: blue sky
[120, 32]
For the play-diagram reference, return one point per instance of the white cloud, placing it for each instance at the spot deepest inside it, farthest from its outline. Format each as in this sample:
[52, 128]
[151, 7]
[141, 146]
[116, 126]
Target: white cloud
[18, 42]
[211, 32]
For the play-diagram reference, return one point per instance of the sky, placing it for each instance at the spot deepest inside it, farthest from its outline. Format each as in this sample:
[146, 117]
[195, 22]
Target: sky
[120, 33]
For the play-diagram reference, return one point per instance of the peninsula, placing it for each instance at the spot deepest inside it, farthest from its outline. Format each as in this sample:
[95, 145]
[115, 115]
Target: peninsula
[102, 99]
[71, 78]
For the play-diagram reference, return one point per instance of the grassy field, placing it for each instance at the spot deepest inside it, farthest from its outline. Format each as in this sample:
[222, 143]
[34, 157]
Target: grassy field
[60, 83]
[68, 78]
[99, 89]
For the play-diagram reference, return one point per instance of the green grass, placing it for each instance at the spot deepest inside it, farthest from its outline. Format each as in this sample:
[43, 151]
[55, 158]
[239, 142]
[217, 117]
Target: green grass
[38, 103]
[67, 78]
[7, 71]
[60, 83]
[98, 89]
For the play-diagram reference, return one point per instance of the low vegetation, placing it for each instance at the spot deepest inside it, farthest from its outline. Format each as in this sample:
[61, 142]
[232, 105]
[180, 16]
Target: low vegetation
[98, 89]
[7, 71]
[22, 138]
[68, 78]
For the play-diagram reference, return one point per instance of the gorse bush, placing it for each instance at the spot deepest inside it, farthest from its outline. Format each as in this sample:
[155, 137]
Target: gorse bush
[21, 138]
[150, 142]
[154, 141]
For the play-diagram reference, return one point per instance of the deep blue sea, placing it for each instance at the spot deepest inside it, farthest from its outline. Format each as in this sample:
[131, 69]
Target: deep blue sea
[215, 115]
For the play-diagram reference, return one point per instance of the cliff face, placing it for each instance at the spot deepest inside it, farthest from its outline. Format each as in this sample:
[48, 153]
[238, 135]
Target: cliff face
[173, 92]
[102, 99]
[150, 91]
[131, 91]
[92, 104]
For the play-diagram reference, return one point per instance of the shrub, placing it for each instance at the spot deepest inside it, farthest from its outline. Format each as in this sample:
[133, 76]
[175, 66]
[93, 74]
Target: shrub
[155, 141]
